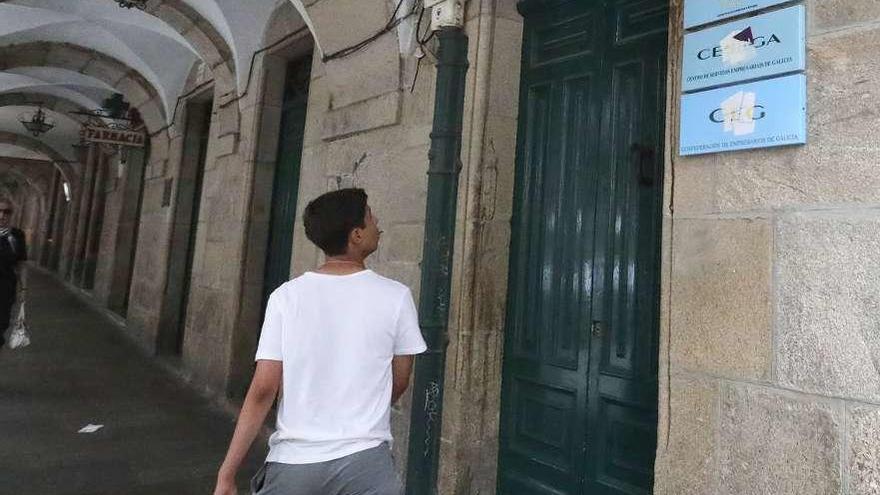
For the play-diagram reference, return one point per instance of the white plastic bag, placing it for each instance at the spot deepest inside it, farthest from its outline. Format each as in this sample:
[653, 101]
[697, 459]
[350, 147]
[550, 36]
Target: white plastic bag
[19, 336]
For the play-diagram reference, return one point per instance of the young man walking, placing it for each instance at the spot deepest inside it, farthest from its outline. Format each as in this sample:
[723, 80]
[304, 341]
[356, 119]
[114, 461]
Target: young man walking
[339, 342]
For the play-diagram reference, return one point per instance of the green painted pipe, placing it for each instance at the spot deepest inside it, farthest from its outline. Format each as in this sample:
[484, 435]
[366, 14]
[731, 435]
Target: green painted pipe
[443, 170]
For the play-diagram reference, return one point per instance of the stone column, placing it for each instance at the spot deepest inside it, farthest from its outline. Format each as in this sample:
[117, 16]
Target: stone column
[65, 255]
[18, 213]
[95, 221]
[126, 231]
[61, 210]
[71, 220]
[82, 216]
[46, 225]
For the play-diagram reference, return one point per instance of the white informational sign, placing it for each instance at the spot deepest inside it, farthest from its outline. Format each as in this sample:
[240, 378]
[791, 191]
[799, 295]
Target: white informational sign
[745, 116]
[699, 12]
[762, 46]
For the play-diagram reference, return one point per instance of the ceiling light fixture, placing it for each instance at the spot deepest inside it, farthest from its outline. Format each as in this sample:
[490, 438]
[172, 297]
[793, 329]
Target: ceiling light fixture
[36, 123]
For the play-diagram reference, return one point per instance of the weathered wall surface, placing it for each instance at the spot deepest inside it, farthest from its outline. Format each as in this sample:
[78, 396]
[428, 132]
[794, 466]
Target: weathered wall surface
[213, 288]
[364, 128]
[772, 295]
[27, 184]
[469, 447]
[152, 251]
[119, 230]
[107, 250]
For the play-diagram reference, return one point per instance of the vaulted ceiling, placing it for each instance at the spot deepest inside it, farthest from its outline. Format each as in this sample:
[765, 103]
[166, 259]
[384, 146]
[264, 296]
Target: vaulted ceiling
[72, 54]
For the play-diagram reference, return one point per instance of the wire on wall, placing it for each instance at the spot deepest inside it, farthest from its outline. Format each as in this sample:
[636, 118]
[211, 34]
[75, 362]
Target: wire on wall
[392, 23]
[247, 85]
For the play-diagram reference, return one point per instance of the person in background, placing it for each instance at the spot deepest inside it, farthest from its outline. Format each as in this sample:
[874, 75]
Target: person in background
[339, 344]
[13, 252]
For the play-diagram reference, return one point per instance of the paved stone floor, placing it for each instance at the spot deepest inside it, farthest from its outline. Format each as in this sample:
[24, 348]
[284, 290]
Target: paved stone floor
[158, 437]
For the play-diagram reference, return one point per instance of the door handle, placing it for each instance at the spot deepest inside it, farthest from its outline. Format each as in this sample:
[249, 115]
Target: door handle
[644, 161]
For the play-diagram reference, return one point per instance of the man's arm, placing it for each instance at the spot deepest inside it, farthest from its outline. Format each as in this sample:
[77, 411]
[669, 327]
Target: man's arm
[259, 399]
[401, 369]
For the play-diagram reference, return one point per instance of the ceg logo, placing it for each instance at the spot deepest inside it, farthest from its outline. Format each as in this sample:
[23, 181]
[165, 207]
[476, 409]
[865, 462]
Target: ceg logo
[739, 113]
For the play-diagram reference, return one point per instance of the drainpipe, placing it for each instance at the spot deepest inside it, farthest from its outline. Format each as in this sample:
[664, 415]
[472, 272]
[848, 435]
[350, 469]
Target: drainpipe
[442, 202]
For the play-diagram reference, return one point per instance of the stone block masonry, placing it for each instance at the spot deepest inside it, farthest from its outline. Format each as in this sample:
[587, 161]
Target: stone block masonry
[774, 291]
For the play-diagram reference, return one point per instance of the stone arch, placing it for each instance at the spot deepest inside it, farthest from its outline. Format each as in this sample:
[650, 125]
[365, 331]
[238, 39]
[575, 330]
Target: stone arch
[50, 102]
[28, 171]
[32, 183]
[31, 174]
[284, 20]
[331, 21]
[137, 90]
[307, 19]
[211, 47]
[379, 67]
[68, 172]
[204, 38]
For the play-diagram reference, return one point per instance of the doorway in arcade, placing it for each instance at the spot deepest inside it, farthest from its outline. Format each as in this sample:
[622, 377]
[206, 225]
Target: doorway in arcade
[579, 392]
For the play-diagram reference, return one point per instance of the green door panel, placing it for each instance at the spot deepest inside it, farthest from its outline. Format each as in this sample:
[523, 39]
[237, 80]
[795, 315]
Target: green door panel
[286, 181]
[580, 367]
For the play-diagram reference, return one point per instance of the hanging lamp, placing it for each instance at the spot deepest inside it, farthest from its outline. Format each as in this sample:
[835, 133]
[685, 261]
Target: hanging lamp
[36, 123]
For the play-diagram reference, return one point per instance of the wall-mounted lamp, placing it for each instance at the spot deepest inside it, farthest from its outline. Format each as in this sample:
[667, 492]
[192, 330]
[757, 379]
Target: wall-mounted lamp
[121, 161]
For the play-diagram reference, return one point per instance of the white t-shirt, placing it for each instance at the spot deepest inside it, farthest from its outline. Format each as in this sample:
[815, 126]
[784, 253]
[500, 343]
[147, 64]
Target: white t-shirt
[336, 336]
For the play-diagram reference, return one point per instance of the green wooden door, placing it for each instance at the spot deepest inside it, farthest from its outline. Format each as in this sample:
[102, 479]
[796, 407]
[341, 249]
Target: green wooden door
[286, 182]
[579, 395]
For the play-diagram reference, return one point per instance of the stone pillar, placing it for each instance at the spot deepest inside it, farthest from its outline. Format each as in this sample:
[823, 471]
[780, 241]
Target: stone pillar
[60, 212]
[38, 211]
[20, 218]
[127, 231]
[18, 213]
[86, 277]
[65, 255]
[46, 225]
[71, 220]
[82, 216]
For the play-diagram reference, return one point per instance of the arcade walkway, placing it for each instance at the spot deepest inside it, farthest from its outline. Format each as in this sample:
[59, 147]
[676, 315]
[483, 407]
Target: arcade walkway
[158, 437]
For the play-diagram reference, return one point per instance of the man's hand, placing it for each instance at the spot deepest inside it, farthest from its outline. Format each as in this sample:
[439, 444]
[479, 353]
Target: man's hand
[259, 399]
[225, 485]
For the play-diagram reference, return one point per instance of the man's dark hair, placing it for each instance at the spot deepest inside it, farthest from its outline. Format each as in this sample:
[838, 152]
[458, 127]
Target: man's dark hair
[330, 218]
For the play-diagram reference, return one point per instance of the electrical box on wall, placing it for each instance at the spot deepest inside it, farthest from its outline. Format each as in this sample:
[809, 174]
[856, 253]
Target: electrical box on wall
[445, 13]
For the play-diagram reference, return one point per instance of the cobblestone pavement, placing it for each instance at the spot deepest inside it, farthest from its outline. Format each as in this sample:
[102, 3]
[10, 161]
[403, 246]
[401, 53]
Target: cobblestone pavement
[158, 436]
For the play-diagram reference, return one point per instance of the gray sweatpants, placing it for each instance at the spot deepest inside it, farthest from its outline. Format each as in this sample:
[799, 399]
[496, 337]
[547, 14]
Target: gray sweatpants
[369, 472]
